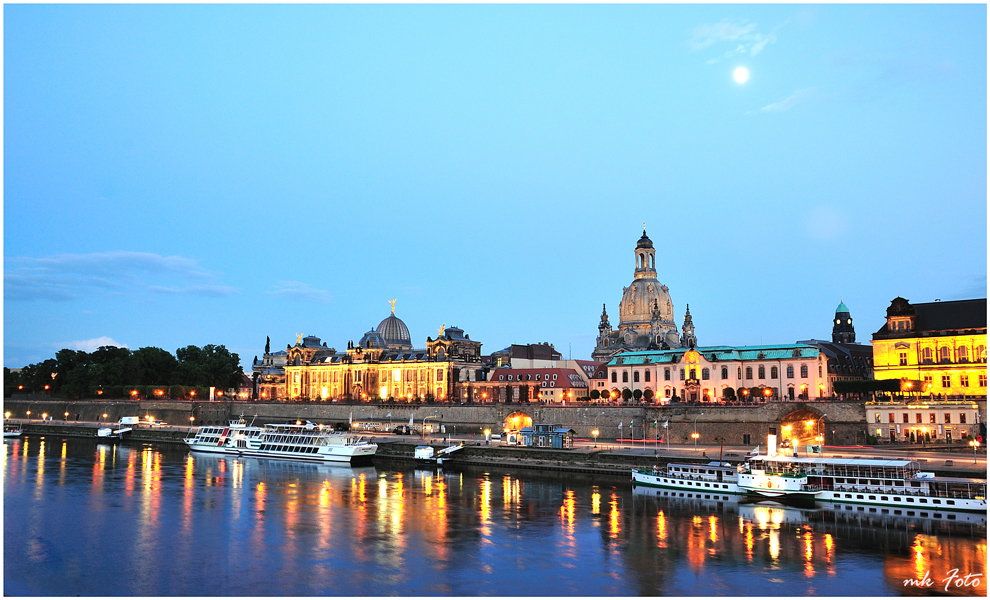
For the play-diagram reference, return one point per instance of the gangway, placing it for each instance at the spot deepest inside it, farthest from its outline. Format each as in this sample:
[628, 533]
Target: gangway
[447, 453]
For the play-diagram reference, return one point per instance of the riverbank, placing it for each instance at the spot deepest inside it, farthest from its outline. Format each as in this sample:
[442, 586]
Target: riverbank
[611, 459]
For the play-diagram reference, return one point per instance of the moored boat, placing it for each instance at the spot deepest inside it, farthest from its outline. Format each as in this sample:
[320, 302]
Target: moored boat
[884, 482]
[11, 430]
[304, 442]
[715, 476]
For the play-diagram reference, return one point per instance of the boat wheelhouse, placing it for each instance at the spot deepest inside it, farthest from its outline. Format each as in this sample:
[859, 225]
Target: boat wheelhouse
[714, 476]
[887, 482]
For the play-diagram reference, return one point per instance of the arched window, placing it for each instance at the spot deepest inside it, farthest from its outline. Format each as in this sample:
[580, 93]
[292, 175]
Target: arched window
[944, 354]
[694, 373]
[666, 374]
[963, 353]
[790, 371]
[614, 377]
[704, 373]
[773, 372]
[646, 376]
[980, 354]
[635, 376]
[926, 356]
[625, 374]
[725, 372]
[804, 371]
[749, 372]
[762, 372]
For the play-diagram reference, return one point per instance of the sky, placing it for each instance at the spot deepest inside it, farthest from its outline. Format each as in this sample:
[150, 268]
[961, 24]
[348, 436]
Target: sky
[183, 174]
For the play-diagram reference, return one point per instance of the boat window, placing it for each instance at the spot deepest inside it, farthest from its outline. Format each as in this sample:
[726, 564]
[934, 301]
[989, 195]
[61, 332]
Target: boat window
[873, 497]
[950, 502]
[952, 517]
[884, 498]
[923, 500]
[910, 499]
[898, 484]
[859, 496]
[910, 513]
[897, 512]
[915, 484]
[937, 501]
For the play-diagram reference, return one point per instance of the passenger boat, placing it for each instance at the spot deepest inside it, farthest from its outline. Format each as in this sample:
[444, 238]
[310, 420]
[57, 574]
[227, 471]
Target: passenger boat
[715, 476]
[11, 430]
[894, 482]
[305, 442]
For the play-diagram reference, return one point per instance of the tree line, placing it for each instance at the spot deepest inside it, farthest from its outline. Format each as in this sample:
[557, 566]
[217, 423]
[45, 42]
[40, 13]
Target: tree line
[112, 372]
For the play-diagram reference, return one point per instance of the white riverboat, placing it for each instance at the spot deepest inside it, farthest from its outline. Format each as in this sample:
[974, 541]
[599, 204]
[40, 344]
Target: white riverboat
[715, 476]
[11, 430]
[304, 442]
[883, 482]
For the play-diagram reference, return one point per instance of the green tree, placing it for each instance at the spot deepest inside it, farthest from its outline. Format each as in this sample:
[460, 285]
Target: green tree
[637, 394]
[626, 394]
[150, 365]
[595, 394]
[648, 394]
[729, 393]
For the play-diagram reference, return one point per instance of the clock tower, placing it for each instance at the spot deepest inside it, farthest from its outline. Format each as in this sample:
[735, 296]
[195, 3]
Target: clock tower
[842, 325]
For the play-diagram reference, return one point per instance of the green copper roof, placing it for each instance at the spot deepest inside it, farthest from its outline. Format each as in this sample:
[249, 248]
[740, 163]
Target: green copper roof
[717, 353]
[842, 308]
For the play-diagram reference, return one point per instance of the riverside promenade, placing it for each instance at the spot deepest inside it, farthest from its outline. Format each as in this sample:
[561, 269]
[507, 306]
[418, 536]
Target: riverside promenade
[612, 457]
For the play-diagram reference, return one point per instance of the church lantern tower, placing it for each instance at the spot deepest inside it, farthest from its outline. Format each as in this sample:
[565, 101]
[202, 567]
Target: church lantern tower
[843, 331]
[687, 336]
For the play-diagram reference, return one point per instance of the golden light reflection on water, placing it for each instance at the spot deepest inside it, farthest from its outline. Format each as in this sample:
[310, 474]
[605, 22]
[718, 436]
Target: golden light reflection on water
[951, 565]
[774, 545]
[661, 530]
[613, 517]
[713, 528]
[567, 511]
[596, 501]
[749, 542]
[809, 554]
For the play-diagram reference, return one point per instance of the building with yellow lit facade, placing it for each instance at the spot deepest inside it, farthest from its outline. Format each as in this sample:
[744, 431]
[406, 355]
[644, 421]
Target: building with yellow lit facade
[936, 349]
[933, 421]
[382, 365]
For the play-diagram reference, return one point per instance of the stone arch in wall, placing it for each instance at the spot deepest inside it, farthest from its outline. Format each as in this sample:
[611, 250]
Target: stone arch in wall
[802, 425]
[516, 421]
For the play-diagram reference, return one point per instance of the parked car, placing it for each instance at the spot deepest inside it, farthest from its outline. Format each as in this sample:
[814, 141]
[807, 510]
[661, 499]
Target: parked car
[402, 430]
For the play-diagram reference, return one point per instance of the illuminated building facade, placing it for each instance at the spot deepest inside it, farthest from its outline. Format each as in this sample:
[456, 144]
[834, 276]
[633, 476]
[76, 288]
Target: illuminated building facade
[383, 364]
[704, 374]
[646, 313]
[914, 420]
[936, 349]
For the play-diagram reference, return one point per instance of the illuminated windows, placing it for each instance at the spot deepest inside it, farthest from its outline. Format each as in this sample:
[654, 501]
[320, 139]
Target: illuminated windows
[983, 380]
[964, 380]
[946, 381]
[902, 359]
[926, 356]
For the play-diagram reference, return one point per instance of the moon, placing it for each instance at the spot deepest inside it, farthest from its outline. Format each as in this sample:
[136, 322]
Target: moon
[741, 75]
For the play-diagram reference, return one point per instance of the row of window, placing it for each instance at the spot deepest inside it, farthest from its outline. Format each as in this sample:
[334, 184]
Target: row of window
[918, 417]
[947, 381]
[539, 377]
[945, 355]
[334, 376]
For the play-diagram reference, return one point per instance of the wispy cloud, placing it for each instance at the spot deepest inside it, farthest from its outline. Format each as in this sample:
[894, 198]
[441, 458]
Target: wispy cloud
[301, 292]
[741, 35]
[72, 276]
[92, 345]
[788, 102]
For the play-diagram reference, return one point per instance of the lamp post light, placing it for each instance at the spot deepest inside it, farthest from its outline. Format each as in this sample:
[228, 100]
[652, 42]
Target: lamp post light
[975, 444]
[695, 434]
[594, 432]
[596, 427]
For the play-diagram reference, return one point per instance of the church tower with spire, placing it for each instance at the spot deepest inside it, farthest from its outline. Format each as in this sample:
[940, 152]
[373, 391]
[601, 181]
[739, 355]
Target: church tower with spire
[687, 330]
[843, 331]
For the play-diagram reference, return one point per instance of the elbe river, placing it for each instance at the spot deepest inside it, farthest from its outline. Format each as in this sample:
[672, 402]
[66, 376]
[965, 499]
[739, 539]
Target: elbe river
[93, 519]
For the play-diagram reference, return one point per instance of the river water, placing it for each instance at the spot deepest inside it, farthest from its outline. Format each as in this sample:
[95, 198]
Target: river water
[84, 518]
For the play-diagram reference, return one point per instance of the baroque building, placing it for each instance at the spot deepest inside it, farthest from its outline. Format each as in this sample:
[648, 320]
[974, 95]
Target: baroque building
[383, 364]
[936, 349]
[715, 374]
[847, 360]
[646, 313]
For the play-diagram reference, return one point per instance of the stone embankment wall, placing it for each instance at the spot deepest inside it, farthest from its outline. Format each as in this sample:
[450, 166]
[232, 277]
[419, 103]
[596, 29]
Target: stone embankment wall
[713, 423]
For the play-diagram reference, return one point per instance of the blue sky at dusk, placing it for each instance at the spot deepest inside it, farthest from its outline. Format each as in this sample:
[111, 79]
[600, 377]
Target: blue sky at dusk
[185, 174]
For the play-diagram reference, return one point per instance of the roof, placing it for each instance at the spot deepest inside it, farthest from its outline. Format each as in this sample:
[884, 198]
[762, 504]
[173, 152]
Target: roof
[862, 462]
[718, 353]
[952, 315]
[841, 308]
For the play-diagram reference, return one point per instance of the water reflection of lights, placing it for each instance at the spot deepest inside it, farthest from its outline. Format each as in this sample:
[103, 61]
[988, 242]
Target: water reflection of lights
[774, 545]
[567, 511]
[809, 567]
[749, 542]
[382, 488]
[661, 530]
[596, 502]
[713, 528]
[486, 503]
[613, 517]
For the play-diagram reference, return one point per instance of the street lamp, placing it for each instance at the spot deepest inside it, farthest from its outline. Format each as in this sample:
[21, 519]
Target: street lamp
[821, 422]
[596, 427]
[594, 432]
[975, 444]
[695, 434]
